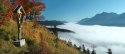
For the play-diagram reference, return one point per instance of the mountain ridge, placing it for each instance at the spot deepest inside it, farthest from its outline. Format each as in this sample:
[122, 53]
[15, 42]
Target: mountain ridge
[51, 22]
[106, 19]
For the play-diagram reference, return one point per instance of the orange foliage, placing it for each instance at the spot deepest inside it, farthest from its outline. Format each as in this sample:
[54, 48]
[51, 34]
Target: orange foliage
[9, 12]
[36, 3]
[27, 9]
[29, 6]
[37, 7]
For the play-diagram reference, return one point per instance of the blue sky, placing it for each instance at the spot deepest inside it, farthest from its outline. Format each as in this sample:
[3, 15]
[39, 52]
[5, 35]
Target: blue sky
[75, 10]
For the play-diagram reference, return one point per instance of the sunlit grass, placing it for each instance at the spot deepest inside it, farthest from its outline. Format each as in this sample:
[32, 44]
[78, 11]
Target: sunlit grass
[39, 40]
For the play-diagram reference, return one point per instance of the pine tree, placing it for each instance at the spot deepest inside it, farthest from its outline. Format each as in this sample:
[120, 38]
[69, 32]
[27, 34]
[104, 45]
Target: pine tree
[88, 51]
[109, 51]
[83, 47]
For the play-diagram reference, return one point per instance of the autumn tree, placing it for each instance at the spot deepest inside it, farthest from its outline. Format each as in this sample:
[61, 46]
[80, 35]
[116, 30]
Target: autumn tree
[5, 11]
[32, 8]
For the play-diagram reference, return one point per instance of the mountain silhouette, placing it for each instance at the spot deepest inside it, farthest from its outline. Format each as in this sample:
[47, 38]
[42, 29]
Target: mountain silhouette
[106, 19]
[51, 22]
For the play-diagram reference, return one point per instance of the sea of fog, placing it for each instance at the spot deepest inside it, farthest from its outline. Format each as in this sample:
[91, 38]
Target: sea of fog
[102, 37]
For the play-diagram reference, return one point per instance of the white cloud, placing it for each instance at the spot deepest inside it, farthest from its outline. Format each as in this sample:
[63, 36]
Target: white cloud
[103, 37]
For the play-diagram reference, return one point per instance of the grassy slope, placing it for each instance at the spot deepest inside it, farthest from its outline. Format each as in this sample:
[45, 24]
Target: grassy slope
[39, 40]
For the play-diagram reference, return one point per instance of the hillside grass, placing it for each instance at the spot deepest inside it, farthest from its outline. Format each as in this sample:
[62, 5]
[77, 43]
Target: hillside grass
[38, 40]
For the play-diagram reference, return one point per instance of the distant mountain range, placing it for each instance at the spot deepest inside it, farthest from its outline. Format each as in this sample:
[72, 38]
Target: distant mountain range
[52, 22]
[61, 30]
[106, 19]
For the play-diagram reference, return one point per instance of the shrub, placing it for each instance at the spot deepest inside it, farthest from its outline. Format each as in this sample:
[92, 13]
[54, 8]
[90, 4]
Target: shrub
[4, 35]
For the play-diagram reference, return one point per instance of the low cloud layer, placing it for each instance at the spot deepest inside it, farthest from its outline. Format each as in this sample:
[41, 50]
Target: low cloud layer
[103, 37]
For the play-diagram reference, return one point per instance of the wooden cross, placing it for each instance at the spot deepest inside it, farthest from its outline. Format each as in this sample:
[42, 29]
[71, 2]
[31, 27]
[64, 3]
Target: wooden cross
[20, 12]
